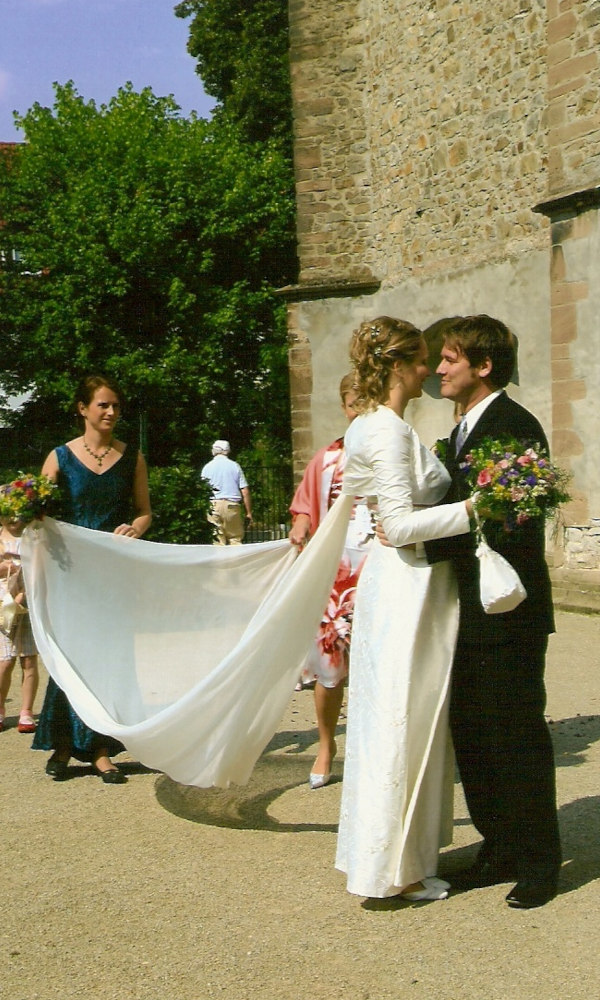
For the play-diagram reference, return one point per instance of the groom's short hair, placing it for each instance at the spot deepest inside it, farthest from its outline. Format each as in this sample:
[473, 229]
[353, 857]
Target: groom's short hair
[481, 337]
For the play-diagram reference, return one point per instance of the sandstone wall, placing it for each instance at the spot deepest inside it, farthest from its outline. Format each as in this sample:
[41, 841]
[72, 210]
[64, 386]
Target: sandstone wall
[573, 95]
[456, 103]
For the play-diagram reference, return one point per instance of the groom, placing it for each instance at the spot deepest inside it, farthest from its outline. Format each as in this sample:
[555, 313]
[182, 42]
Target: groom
[503, 746]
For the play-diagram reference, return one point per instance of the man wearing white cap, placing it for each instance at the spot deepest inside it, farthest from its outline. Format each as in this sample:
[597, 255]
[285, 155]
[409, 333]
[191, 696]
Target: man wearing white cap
[230, 489]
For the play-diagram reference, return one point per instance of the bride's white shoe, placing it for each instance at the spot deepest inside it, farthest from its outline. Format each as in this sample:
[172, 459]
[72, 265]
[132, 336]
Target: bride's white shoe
[433, 888]
[434, 880]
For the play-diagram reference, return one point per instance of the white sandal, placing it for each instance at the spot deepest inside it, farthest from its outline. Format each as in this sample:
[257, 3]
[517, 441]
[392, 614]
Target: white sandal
[433, 888]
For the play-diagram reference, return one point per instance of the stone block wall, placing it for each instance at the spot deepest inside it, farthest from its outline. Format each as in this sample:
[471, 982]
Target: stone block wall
[456, 113]
[333, 186]
[573, 95]
[419, 134]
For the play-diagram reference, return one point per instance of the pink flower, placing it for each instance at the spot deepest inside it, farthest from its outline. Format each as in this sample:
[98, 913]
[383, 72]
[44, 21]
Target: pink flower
[328, 637]
[484, 478]
[336, 625]
[524, 460]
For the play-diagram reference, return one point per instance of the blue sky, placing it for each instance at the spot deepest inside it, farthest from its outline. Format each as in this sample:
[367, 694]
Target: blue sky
[100, 45]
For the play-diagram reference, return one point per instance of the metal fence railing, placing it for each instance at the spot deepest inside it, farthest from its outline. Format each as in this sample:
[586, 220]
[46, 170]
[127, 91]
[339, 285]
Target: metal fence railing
[271, 489]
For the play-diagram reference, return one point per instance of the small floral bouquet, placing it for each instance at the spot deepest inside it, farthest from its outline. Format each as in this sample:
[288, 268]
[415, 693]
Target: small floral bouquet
[515, 482]
[27, 498]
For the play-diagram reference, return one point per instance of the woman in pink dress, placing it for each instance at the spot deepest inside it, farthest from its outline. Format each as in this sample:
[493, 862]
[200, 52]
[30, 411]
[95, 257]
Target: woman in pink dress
[327, 662]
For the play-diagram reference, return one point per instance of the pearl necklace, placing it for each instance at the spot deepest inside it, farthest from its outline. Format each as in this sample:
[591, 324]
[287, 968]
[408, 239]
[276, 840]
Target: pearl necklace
[99, 458]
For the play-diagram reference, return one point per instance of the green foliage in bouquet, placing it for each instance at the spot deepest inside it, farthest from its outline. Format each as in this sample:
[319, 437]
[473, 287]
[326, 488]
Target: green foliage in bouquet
[440, 449]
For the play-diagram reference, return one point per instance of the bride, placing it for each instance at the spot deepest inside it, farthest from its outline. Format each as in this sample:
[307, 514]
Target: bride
[398, 776]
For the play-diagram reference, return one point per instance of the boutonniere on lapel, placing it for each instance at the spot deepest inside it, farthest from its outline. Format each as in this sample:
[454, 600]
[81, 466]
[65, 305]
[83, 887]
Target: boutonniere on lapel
[440, 448]
[514, 482]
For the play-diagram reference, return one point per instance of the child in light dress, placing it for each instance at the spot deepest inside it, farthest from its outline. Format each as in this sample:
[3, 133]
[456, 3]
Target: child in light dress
[17, 641]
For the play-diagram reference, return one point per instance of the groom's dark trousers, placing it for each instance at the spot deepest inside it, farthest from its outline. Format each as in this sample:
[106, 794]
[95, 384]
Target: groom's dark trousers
[502, 742]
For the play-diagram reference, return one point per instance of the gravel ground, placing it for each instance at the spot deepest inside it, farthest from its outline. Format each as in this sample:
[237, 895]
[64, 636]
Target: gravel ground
[155, 891]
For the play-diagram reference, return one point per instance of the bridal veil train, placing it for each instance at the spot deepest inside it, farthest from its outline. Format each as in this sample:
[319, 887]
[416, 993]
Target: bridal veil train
[187, 654]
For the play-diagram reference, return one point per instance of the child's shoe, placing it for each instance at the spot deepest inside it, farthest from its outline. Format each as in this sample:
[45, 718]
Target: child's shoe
[26, 723]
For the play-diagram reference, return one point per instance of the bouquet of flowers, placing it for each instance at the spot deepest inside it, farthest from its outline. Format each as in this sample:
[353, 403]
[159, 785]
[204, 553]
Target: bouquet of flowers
[514, 482]
[27, 498]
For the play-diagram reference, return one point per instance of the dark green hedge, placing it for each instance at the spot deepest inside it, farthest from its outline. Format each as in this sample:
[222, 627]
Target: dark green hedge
[180, 502]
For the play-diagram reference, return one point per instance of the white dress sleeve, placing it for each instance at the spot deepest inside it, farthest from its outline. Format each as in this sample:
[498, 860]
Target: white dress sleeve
[402, 481]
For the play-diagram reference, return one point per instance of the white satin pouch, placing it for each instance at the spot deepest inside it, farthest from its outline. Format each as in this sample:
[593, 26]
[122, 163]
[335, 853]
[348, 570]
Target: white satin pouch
[500, 586]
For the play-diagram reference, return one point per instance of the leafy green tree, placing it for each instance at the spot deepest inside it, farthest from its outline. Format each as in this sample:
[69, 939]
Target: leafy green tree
[147, 246]
[241, 48]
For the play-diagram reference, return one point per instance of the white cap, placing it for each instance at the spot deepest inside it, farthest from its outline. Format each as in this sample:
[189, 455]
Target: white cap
[220, 448]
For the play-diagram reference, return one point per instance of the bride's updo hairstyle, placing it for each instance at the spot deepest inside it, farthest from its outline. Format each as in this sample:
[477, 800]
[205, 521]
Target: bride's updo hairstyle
[374, 350]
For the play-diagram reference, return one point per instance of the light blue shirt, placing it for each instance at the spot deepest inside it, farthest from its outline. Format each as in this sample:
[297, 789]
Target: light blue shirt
[226, 478]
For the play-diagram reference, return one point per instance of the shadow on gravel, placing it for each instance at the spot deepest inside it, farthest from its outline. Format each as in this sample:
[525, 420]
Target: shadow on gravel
[571, 737]
[245, 807]
[579, 823]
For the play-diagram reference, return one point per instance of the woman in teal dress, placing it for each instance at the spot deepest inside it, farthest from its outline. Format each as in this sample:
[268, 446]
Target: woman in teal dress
[103, 483]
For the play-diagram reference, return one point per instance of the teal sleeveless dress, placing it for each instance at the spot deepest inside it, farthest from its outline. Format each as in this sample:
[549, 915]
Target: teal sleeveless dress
[90, 501]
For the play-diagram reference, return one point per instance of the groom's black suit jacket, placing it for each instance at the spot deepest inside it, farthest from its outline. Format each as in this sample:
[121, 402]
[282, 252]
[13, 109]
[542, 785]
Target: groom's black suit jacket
[524, 548]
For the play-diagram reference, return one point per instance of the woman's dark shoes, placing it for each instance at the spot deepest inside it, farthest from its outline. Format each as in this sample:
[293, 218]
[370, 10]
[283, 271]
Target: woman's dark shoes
[57, 769]
[528, 894]
[111, 776]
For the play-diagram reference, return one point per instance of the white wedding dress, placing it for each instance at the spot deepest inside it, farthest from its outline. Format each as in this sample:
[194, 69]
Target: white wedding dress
[397, 796]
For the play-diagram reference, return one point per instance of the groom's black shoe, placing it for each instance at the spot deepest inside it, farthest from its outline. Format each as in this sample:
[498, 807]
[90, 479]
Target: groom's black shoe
[528, 894]
[482, 873]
